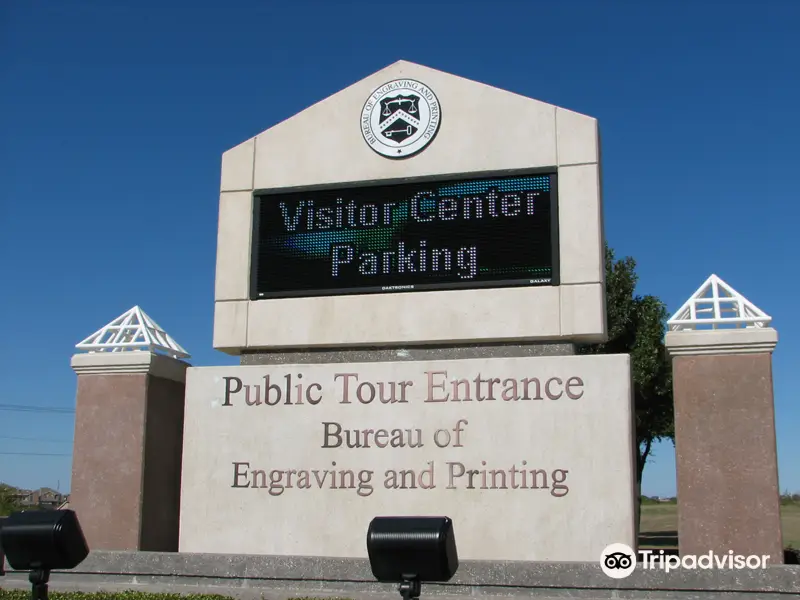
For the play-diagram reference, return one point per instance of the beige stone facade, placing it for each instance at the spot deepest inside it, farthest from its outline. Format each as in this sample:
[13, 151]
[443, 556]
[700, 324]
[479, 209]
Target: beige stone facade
[484, 130]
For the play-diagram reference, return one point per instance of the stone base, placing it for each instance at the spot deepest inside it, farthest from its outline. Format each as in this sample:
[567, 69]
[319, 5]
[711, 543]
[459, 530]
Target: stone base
[257, 577]
[269, 438]
[378, 354]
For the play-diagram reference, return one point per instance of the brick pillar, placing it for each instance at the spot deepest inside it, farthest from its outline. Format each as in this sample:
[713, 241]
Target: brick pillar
[126, 466]
[726, 456]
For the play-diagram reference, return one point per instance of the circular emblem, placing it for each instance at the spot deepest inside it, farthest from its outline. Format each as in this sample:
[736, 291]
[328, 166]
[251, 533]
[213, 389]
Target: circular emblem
[618, 561]
[400, 118]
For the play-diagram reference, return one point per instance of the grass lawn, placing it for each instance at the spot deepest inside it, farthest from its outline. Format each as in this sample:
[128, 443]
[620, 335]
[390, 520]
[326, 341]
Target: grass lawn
[659, 528]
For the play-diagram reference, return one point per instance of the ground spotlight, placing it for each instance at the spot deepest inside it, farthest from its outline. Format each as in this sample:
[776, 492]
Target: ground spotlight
[412, 550]
[43, 541]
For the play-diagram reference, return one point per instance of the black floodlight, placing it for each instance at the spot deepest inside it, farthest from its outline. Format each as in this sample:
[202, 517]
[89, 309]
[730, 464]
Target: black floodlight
[412, 550]
[43, 541]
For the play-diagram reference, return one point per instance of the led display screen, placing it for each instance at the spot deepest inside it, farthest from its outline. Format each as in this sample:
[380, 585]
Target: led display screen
[467, 233]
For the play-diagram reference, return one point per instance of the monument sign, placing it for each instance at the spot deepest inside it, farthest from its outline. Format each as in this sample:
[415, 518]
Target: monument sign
[528, 456]
[404, 268]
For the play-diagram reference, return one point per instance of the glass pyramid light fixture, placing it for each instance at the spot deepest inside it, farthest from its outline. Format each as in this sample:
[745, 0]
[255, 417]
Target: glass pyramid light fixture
[133, 330]
[716, 305]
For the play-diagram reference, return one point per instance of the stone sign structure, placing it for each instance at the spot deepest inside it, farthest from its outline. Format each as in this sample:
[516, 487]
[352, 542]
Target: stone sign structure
[404, 269]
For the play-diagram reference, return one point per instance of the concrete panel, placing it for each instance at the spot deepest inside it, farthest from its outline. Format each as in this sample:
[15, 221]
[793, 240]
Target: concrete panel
[580, 225]
[391, 353]
[482, 129]
[136, 361]
[233, 246]
[574, 431]
[583, 310]
[237, 168]
[752, 340]
[420, 317]
[577, 138]
[230, 324]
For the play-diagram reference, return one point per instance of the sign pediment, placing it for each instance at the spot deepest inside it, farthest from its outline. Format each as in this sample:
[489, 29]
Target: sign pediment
[453, 125]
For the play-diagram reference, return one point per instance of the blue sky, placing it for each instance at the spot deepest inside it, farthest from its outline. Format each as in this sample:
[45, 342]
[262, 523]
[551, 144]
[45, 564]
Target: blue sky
[113, 117]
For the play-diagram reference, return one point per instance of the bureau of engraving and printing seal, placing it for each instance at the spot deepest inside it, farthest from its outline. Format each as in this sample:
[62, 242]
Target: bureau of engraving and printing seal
[400, 118]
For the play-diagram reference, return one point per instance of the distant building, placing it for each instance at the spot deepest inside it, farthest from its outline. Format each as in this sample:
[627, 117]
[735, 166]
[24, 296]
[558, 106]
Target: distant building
[46, 498]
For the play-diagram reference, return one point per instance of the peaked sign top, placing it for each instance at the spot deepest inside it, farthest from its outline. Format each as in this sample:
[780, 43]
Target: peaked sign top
[133, 330]
[408, 120]
[716, 305]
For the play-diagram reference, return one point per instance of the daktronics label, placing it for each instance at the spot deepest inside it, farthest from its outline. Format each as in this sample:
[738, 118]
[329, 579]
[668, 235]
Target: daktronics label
[457, 234]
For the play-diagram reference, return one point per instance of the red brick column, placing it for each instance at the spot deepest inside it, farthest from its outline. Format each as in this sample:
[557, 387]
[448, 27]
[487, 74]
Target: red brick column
[726, 457]
[126, 466]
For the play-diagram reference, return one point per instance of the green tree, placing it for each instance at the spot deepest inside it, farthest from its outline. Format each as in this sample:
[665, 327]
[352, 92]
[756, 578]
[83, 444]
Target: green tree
[8, 500]
[636, 326]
